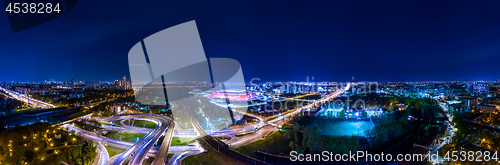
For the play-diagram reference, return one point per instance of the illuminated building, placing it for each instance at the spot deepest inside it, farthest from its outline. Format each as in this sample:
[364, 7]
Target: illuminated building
[233, 95]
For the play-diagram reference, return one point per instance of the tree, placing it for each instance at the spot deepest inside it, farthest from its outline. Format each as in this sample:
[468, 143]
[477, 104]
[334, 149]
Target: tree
[364, 114]
[73, 155]
[342, 113]
[309, 140]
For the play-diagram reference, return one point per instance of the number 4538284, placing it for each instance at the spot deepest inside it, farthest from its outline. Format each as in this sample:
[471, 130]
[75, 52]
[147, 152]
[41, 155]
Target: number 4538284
[32, 8]
[470, 156]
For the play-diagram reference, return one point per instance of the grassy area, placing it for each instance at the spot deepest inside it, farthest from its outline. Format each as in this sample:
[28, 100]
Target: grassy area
[261, 127]
[144, 123]
[210, 157]
[80, 114]
[103, 123]
[87, 127]
[137, 123]
[148, 161]
[125, 136]
[117, 122]
[169, 156]
[181, 141]
[223, 138]
[240, 135]
[286, 126]
[112, 151]
[274, 144]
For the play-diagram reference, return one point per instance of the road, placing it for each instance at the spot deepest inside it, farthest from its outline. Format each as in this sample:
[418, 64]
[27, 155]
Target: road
[103, 155]
[450, 133]
[161, 157]
[93, 104]
[177, 158]
[236, 142]
[26, 99]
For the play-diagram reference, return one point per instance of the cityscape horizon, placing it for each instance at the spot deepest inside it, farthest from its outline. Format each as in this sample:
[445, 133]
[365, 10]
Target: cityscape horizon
[260, 82]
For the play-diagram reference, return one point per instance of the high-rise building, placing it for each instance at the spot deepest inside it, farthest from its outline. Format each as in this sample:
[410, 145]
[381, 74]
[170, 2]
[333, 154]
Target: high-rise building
[125, 84]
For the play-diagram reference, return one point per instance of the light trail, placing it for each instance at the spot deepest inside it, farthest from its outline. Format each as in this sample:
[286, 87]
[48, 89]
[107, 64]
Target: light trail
[298, 110]
[104, 155]
[26, 99]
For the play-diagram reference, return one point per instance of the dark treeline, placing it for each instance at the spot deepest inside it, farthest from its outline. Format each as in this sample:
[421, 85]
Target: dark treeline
[307, 139]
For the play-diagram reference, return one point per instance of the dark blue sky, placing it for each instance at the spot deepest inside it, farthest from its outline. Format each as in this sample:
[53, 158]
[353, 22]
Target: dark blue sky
[274, 41]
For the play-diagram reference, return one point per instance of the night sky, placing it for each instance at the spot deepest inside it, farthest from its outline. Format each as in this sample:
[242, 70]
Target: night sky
[273, 41]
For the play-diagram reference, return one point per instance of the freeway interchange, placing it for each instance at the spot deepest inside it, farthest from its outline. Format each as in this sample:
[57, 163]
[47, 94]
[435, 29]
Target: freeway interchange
[136, 153]
[142, 147]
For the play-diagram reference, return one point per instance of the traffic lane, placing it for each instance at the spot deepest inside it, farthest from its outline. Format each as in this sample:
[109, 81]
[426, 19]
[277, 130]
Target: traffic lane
[148, 144]
[104, 154]
[247, 139]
